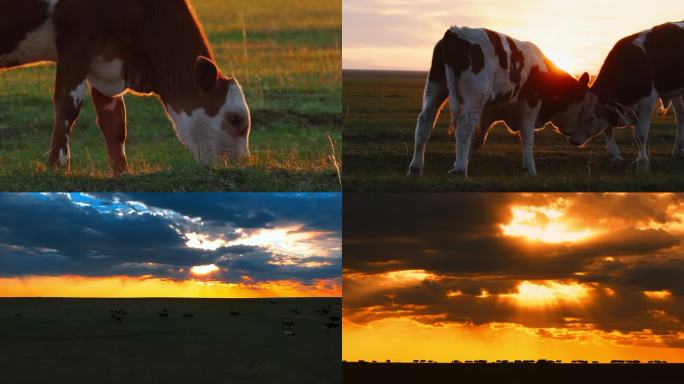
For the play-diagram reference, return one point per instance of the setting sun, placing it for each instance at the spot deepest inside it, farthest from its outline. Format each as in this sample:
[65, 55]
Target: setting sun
[204, 269]
[546, 224]
[548, 293]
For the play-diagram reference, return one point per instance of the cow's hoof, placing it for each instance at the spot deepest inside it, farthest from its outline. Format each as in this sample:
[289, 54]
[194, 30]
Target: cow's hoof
[459, 173]
[414, 172]
[642, 166]
[677, 155]
[616, 161]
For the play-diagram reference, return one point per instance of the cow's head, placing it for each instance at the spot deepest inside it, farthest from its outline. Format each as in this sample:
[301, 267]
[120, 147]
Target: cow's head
[590, 116]
[214, 120]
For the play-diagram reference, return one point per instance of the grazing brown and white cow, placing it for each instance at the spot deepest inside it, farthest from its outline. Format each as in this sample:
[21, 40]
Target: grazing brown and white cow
[638, 70]
[489, 77]
[145, 46]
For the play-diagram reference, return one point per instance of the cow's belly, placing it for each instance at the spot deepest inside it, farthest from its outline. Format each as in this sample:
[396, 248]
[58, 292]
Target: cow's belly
[107, 76]
[36, 46]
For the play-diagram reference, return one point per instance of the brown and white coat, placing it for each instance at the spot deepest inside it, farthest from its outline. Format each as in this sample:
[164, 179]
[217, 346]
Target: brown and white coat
[114, 46]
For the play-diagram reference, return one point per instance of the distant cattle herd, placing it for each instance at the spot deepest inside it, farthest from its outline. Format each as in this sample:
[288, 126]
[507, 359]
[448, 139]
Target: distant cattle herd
[330, 322]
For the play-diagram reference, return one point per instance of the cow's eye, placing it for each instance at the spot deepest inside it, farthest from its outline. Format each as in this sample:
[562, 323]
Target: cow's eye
[235, 120]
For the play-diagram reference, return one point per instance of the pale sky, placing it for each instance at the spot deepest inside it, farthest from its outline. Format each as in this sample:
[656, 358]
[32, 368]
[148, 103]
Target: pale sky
[577, 35]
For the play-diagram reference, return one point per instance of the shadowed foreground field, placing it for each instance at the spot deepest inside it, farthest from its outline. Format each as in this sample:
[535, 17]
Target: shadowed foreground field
[287, 57]
[76, 341]
[512, 373]
[381, 109]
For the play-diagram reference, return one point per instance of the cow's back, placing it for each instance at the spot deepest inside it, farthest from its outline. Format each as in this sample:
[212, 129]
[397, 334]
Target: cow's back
[639, 63]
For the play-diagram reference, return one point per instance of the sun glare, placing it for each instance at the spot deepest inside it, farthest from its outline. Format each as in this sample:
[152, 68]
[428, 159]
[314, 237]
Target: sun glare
[287, 240]
[407, 276]
[658, 295]
[547, 224]
[548, 293]
[204, 269]
[202, 241]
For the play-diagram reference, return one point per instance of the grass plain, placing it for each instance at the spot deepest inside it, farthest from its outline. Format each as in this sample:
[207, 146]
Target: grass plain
[360, 373]
[287, 57]
[76, 341]
[381, 108]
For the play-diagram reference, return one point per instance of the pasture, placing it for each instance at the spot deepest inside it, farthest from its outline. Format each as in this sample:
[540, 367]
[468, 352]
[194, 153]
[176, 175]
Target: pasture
[286, 56]
[381, 109]
[513, 373]
[76, 341]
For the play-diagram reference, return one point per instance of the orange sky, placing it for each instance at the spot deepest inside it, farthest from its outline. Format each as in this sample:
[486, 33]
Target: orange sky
[129, 287]
[515, 276]
[577, 35]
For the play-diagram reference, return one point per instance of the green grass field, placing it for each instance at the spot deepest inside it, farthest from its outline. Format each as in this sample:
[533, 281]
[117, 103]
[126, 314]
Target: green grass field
[381, 108]
[287, 57]
[76, 341]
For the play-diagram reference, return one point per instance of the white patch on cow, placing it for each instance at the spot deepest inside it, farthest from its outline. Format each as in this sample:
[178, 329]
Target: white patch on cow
[107, 76]
[204, 134]
[111, 106]
[63, 158]
[78, 94]
[680, 24]
[641, 40]
[38, 45]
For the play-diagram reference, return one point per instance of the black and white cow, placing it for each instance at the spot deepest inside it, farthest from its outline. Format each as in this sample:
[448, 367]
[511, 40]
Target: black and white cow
[489, 77]
[638, 70]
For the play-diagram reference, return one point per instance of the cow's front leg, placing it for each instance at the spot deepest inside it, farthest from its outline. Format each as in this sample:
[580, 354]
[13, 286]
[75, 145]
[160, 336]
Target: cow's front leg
[111, 118]
[613, 149]
[70, 89]
[468, 121]
[678, 106]
[433, 100]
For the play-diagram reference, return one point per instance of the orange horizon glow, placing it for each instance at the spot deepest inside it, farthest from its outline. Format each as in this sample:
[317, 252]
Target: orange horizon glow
[129, 287]
[576, 35]
[403, 340]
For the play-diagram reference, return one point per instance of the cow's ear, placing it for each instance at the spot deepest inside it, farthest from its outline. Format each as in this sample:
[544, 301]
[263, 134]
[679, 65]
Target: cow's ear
[584, 80]
[206, 74]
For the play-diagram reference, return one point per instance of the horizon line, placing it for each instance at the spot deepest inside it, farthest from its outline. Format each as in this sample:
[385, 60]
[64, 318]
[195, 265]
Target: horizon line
[170, 297]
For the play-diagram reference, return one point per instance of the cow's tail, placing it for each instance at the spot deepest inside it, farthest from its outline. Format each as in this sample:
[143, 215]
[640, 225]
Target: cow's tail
[453, 56]
[665, 106]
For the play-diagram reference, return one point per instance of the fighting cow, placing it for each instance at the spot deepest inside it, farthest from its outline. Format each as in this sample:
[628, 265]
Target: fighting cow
[144, 46]
[638, 70]
[486, 77]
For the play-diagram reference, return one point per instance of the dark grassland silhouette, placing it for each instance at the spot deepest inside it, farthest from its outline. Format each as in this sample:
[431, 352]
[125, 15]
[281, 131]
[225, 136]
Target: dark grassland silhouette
[517, 371]
[168, 341]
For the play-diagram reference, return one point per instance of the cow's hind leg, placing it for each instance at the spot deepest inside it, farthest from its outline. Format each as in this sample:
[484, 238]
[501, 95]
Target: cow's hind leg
[467, 122]
[644, 113]
[434, 98]
[613, 149]
[678, 106]
[111, 118]
[70, 89]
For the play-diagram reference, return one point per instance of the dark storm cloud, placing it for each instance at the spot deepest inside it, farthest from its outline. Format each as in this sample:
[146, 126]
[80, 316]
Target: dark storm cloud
[458, 239]
[105, 235]
[316, 211]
